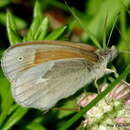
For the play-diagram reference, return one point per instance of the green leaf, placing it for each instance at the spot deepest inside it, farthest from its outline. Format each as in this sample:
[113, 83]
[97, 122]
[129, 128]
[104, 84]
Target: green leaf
[96, 100]
[37, 19]
[35, 126]
[11, 30]
[37, 10]
[13, 108]
[56, 33]
[4, 3]
[14, 118]
[20, 23]
[42, 30]
[33, 29]
[6, 99]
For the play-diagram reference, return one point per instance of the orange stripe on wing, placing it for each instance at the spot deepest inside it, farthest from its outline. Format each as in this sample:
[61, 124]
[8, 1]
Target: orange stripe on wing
[44, 56]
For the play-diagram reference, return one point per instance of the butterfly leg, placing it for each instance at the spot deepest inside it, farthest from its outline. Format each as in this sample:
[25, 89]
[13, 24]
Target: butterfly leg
[96, 85]
[108, 71]
[77, 109]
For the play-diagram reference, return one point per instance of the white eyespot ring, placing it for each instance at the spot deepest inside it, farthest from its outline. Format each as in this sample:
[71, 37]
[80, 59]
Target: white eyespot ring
[20, 58]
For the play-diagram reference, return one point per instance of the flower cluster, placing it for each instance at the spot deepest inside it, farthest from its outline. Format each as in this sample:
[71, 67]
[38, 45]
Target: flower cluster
[112, 112]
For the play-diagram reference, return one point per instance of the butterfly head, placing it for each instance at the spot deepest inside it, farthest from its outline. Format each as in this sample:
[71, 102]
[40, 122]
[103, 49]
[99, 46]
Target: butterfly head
[107, 54]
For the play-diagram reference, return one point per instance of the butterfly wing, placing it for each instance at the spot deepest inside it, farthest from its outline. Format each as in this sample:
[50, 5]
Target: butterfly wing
[20, 57]
[44, 85]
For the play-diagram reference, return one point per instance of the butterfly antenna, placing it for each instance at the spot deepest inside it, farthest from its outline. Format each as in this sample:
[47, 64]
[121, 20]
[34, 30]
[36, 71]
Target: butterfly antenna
[90, 34]
[112, 29]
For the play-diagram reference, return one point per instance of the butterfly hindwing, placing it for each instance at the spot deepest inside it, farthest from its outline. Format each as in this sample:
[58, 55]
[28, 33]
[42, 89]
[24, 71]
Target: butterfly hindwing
[44, 85]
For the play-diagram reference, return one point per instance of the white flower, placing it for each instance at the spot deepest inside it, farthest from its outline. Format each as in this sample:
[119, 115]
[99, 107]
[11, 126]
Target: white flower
[112, 112]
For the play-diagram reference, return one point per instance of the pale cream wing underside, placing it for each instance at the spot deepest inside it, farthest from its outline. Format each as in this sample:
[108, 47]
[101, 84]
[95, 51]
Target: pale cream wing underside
[44, 85]
[35, 53]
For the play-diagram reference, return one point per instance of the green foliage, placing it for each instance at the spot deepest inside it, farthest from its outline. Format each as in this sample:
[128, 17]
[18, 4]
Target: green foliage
[37, 18]
[4, 3]
[57, 33]
[14, 118]
[6, 101]
[96, 21]
[20, 23]
[11, 29]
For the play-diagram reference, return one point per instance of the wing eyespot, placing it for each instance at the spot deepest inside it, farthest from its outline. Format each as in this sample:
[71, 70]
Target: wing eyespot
[20, 58]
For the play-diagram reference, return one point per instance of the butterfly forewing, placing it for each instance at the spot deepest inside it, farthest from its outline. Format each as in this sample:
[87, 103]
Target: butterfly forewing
[19, 58]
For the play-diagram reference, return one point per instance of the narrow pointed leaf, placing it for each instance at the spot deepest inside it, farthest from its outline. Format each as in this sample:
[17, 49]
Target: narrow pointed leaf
[6, 99]
[37, 10]
[37, 18]
[14, 118]
[42, 30]
[20, 22]
[33, 29]
[11, 29]
[56, 34]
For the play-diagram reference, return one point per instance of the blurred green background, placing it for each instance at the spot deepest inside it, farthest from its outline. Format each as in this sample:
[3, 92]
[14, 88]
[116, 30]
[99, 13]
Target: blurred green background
[88, 21]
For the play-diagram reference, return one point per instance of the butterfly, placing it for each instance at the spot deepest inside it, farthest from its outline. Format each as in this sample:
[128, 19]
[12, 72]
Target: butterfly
[43, 72]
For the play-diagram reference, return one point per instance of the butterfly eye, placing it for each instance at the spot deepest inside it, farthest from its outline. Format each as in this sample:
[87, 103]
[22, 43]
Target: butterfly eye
[20, 58]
